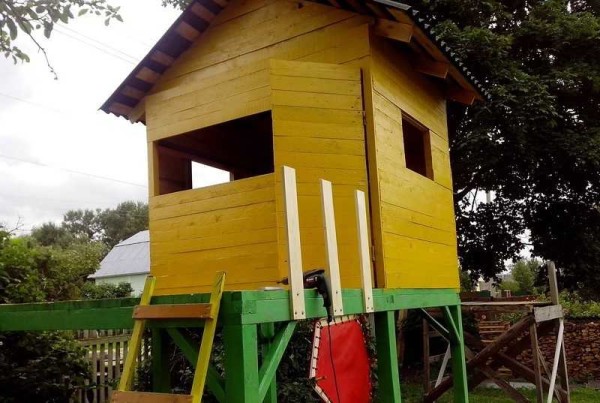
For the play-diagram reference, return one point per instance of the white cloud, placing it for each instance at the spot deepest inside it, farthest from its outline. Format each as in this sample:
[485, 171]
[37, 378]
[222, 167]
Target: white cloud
[56, 123]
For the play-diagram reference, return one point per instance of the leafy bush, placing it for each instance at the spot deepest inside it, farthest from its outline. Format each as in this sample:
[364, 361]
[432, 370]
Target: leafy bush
[101, 291]
[34, 367]
[576, 307]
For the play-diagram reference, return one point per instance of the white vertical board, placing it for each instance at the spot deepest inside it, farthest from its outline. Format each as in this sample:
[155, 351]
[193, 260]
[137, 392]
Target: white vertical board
[331, 249]
[364, 251]
[292, 225]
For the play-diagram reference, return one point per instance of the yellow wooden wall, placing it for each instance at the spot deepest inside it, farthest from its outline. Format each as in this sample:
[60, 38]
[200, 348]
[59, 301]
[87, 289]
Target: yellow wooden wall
[231, 226]
[318, 129]
[317, 112]
[417, 235]
[226, 75]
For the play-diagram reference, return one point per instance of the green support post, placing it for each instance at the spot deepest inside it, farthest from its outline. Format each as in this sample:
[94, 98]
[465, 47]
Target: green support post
[387, 358]
[241, 363]
[459, 366]
[161, 378]
[267, 333]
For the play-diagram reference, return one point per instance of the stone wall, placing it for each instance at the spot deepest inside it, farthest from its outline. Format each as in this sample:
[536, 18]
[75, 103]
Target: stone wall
[582, 342]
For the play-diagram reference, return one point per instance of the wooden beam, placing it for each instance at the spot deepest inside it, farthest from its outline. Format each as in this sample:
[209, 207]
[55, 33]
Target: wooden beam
[461, 95]
[547, 313]
[364, 250]
[431, 67]
[174, 311]
[138, 112]
[535, 357]
[331, 249]
[397, 31]
[562, 368]
[146, 397]
[294, 247]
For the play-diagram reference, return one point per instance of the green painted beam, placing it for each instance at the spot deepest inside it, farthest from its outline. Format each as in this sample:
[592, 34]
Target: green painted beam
[191, 349]
[241, 363]
[388, 374]
[272, 359]
[459, 365]
[161, 378]
[237, 307]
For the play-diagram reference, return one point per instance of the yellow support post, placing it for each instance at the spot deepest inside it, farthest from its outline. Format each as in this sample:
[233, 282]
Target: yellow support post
[136, 339]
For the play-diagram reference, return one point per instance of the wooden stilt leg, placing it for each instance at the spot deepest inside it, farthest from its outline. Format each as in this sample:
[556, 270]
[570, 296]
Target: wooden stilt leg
[459, 367]
[241, 363]
[426, 366]
[267, 331]
[536, 363]
[387, 358]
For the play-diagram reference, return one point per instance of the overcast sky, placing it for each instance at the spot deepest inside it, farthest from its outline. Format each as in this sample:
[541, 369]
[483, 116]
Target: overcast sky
[55, 146]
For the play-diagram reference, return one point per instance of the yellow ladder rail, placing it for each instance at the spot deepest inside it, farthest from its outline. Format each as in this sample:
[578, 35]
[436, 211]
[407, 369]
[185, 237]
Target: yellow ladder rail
[144, 312]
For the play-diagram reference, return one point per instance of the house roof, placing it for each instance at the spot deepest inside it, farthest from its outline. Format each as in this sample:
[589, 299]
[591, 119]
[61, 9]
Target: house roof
[132, 256]
[196, 18]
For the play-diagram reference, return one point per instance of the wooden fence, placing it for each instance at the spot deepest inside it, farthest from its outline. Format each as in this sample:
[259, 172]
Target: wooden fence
[106, 352]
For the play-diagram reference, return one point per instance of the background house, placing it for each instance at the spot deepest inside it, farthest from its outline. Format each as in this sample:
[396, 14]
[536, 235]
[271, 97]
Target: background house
[128, 261]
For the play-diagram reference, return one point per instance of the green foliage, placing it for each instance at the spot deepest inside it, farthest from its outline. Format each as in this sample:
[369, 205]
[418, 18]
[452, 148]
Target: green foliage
[509, 285]
[100, 291]
[40, 367]
[466, 282]
[27, 17]
[524, 273]
[109, 226]
[19, 277]
[577, 307]
[52, 234]
[536, 144]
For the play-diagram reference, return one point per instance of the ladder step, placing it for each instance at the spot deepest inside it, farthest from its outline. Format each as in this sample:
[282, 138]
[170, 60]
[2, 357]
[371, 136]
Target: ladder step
[173, 311]
[147, 397]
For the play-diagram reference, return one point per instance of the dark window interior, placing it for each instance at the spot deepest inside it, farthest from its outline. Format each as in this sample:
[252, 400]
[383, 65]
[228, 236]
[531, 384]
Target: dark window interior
[243, 147]
[417, 147]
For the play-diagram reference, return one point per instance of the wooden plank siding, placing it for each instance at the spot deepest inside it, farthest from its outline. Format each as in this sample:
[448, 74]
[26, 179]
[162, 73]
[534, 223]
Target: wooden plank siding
[418, 233]
[336, 95]
[228, 227]
[331, 100]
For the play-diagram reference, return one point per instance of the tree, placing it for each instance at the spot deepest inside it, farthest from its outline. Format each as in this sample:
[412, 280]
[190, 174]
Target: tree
[27, 17]
[524, 273]
[127, 219]
[51, 234]
[109, 226]
[536, 143]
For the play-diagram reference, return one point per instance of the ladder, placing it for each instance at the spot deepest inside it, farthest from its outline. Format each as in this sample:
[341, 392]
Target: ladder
[145, 312]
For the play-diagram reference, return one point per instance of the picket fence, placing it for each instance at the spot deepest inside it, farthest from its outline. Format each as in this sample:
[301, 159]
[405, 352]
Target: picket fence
[106, 352]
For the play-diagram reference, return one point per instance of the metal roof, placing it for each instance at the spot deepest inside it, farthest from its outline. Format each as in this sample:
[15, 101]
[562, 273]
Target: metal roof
[196, 18]
[132, 256]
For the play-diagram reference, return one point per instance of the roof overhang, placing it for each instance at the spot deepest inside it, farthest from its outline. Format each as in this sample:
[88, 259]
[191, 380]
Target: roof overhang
[393, 19]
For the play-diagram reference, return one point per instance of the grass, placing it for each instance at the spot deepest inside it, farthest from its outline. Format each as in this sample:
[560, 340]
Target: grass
[414, 394]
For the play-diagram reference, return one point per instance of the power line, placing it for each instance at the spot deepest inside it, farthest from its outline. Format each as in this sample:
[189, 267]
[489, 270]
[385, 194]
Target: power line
[105, 51]
[31, 103]
[7, 157]
[116, 50]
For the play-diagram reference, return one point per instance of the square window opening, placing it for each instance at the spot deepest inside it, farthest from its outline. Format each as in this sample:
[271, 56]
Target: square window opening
[237, 149]
[417, 147]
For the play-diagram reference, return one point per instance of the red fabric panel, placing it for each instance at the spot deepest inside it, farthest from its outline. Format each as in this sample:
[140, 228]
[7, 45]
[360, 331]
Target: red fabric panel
[351, 361]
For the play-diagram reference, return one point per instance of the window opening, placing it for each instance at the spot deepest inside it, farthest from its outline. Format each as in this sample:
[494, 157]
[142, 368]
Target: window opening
[205, 175]
[417, 147]
[238, 149]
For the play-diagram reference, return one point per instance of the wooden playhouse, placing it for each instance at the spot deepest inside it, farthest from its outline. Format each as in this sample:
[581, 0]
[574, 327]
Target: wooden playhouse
[352, 92]
[347, 91]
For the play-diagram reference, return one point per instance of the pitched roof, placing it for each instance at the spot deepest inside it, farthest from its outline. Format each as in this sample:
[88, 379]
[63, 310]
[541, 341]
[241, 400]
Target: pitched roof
[132, 256]
[196, 18]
